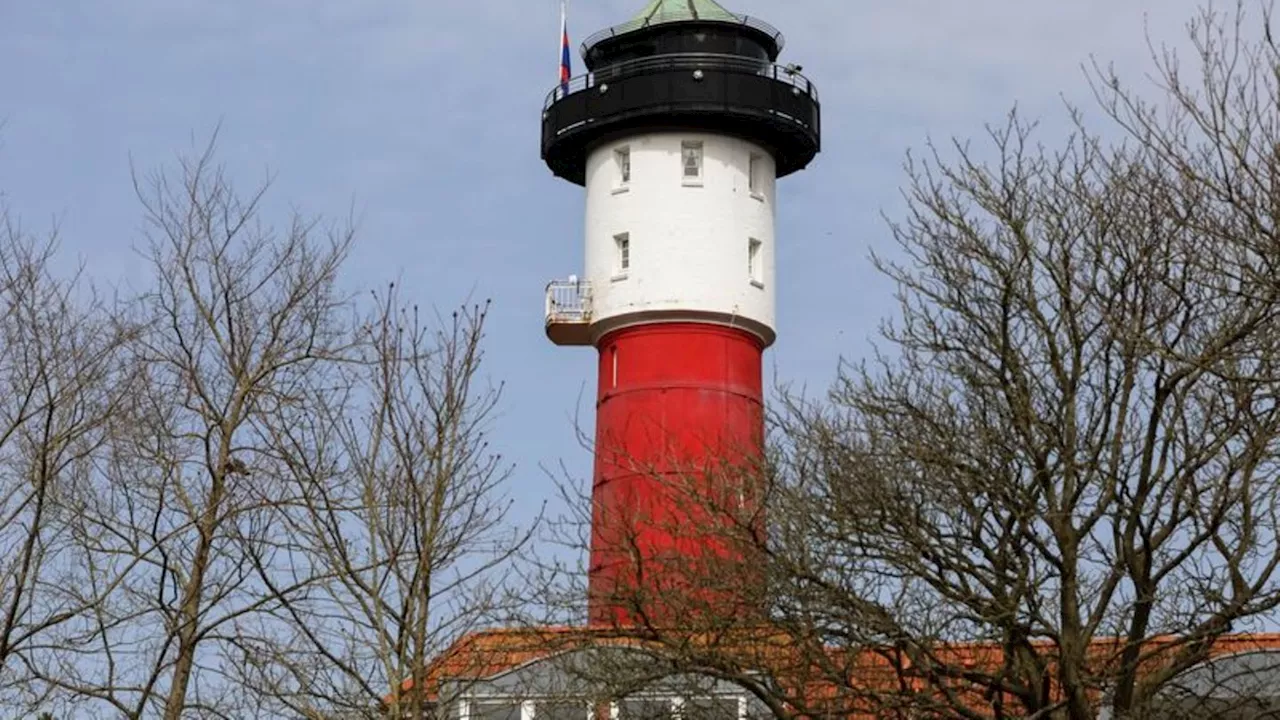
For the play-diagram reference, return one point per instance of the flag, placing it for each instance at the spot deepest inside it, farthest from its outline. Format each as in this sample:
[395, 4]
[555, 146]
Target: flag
[566, 67]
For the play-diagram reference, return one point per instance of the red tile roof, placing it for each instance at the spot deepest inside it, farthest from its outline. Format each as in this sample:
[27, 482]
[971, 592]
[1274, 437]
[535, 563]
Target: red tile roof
[491, 652]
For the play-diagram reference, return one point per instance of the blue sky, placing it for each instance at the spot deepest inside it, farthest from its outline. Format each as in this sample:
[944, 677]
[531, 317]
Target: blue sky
[421, 116]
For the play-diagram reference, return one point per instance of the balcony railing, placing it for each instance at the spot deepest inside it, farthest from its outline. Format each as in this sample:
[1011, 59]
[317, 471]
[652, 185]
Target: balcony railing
[772, 105]
[569, 311]
[569, 301]
[686, 61]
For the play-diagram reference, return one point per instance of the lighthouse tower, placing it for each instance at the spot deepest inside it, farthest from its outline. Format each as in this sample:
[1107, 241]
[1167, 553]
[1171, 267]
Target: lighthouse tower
[679, 131]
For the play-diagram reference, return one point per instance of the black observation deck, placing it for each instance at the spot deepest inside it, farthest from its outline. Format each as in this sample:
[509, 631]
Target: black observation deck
[709, 75]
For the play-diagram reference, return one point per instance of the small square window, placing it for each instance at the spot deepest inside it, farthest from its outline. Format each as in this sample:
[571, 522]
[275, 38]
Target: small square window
[622, 157]
[691, 158]
[754, 271]
[623, 244]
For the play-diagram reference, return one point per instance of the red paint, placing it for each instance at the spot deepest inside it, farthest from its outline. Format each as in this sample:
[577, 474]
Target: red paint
[679, 432]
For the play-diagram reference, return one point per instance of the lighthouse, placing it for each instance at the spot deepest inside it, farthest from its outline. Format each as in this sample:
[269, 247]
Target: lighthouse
[679, 132]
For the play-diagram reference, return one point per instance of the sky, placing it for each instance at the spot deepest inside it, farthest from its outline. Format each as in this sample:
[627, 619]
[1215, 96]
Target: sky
[421, 118]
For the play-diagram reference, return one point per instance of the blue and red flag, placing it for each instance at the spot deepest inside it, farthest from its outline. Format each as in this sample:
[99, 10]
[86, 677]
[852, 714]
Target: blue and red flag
[566, 67]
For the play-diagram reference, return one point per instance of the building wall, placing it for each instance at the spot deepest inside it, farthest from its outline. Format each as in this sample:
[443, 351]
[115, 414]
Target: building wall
[688, 240]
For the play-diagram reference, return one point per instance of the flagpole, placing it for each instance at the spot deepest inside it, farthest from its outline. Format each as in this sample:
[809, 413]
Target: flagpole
[563, 59]
[564, 24]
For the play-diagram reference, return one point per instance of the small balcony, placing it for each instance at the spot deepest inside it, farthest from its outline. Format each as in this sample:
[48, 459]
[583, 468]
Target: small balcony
[569, 312]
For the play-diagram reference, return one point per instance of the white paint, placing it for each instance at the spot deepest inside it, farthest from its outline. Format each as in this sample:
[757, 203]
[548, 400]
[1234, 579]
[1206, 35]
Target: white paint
[688, 243]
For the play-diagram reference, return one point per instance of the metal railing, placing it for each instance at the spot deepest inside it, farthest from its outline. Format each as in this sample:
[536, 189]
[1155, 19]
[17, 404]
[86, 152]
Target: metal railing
[684, 61]
[569, 301]
[662, 18]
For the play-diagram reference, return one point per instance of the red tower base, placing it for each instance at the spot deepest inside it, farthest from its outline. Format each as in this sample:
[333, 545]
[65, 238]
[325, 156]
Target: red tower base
[676, 495]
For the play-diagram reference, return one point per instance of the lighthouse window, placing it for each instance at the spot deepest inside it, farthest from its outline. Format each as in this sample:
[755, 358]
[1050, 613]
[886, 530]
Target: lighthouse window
[623, 244]
[754, 271]
[691, 153]
[622, 157]
[755, 183]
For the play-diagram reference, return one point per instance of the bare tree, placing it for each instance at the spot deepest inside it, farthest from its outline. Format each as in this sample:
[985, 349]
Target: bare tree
[61, 378]
[239, 494]
[1053, 490]
[1070, 454]
[399, 508]
[240, 313]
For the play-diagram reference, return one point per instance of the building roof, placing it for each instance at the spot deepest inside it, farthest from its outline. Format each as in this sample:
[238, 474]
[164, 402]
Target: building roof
[662, 12]
[665, 11]
[1248, 672]
[491, 652]
[487, 653]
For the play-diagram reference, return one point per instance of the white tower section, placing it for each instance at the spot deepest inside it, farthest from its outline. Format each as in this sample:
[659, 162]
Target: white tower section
[680, 227]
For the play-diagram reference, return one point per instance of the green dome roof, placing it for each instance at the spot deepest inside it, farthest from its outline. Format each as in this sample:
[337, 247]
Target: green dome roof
[665, 11]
